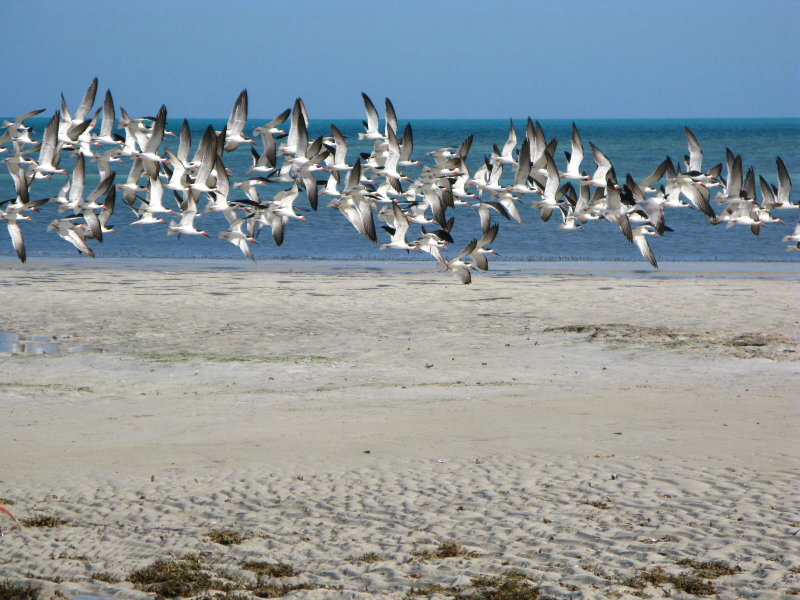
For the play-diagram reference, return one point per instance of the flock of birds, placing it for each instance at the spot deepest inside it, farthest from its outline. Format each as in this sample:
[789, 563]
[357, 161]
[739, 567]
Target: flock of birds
[373, 187]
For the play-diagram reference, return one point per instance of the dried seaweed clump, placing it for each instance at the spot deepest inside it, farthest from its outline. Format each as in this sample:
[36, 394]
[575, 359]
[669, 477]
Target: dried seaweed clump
[226, 537]
[446, 549]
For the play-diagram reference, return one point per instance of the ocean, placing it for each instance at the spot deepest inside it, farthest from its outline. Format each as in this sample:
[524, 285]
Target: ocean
[634, 146]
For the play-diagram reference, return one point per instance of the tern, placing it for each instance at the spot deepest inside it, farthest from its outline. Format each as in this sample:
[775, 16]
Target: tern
[575, 158]
[69, 232]
[640, 239]
[551, 194]
[149, 155]
[506, 155]
[481, 249]
[398, 232]
[604, 174]
[106, 134]
[235, 235]
[794, 238]
[372, 124]
[236, 121]
[456, 265]
[50, 150]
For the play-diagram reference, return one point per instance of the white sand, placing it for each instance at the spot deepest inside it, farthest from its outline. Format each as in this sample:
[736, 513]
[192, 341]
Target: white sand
[248, 399]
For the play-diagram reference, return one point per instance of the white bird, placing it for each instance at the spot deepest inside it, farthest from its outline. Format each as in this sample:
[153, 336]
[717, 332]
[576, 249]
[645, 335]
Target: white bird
[794, 237]
[144, 216]
[340, 155]
[389, 169]
[614, 210]
[206, 154]
[283, 203]
[271, 128]
[186, 224]
[106, 134]
[17, 131]
[602, 175]
[398, 232]
[407, 147]
[549, 201]
[149, 155]
[299, 115]
[86, 206]
[50, 150]
[456, 265]
[235, 235]
[11, 218]
[783, 193]
[104, 161]
[355, 207]
[481, 249]
[640, 239]
[506, 155]
[331, 186]
[85, 106]
[69, 232]
[575, 158]
[236, 122]
[694, 162]
[372, 124]
[740, 213]
[12, 213]
[155, 197]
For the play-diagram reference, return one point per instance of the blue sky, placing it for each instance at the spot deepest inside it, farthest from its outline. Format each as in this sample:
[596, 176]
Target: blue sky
[434, 59]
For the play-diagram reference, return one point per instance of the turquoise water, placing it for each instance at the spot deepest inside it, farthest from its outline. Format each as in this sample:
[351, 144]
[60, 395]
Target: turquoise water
[634, 146]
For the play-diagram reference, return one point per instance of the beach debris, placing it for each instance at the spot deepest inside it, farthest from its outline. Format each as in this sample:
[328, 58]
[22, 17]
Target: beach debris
[173, 577]
[774, 346]
[597, 504]
[657, 576]
[42, 520]
[106, 577]
[19, 591]
[367, 557]
[3, 509]
[445, 549]
[226, 537]
[710, 569]
[269, 569]
[665, 538]
[512, 585]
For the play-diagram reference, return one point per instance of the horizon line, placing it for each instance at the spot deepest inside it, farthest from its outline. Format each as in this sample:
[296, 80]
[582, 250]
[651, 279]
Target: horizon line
[361, 118]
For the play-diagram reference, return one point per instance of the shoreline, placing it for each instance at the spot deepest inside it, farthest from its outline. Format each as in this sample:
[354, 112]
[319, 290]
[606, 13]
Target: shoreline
[627, 268]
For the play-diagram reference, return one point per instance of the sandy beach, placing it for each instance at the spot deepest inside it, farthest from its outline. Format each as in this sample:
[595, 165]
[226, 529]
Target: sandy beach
[388, 433]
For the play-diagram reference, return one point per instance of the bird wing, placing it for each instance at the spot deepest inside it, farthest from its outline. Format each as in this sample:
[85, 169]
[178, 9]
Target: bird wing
[102, 187]
[48, 148]
[511, 141]
[157, 132]
[87, 102]
[695, 152]
[391, 117]
[78, 181]
[16, 238]
[644, 247]
[576, 157]
[109, 116]
[238, 116]
[373, 120]
[784, 182]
